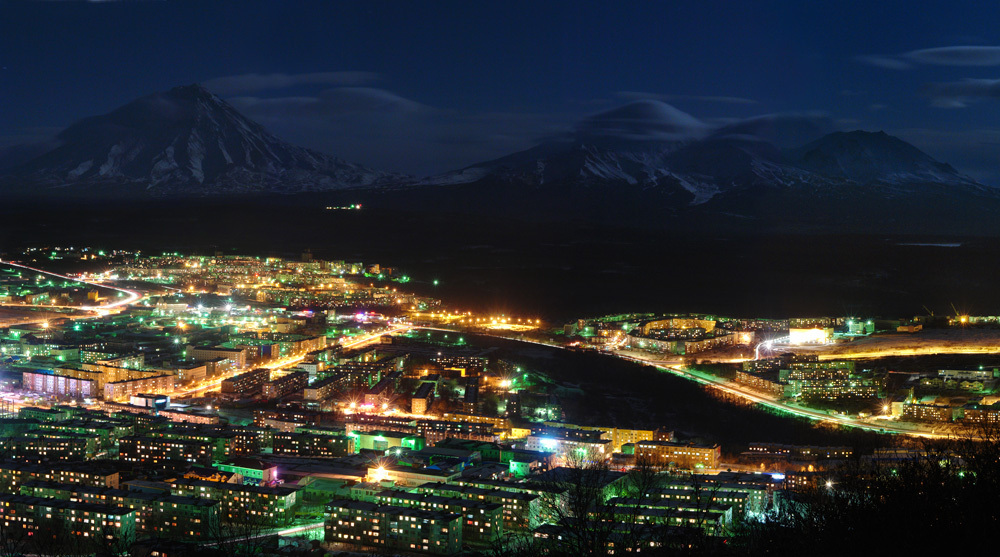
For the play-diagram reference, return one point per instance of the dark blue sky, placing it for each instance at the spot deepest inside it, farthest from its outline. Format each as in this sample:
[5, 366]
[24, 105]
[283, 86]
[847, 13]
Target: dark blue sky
[424, 87]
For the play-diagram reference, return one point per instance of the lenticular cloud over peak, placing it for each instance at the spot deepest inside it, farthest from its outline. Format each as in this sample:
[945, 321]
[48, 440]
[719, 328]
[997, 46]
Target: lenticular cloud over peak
[643, 120]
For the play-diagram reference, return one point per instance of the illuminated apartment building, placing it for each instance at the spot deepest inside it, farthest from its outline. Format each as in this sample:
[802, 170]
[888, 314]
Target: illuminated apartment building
[389, 528]
[682, 455]
[521, 510]
[482, 523]
[158, 450]
[308, 444]
[86, 521]
[285, 385]
[270, 505]
[246, 384]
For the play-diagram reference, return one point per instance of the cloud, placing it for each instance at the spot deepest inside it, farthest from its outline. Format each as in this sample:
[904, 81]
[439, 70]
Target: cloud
[886, 62]
[789, 129]
[959, 94]
[641, 95]
[942, 56]
[957, 56]
[642, 120]
[331, 103]
[385, 130]
[848, 123]
[245, 83]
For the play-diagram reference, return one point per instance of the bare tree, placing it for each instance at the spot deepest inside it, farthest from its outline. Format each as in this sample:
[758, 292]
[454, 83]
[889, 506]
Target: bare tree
[515, 544]
[244, 531]
[588, 505]
[111, 542]
[14, 540]
[937, 496]
[592, 510]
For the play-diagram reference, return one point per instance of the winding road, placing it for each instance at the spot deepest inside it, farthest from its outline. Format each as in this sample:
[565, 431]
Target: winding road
[130, 296]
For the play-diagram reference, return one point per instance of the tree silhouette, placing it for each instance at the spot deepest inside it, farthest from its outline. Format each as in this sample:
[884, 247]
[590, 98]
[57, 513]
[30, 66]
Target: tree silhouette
[942, 497]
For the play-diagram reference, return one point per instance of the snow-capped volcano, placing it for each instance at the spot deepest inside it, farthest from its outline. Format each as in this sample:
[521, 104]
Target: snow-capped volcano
[659, 149]
[182, 141]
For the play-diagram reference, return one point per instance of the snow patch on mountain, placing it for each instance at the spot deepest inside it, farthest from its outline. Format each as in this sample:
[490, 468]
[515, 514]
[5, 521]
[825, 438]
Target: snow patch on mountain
[196, 154]
[81, 168]
[606, 168]
[701, 190]
[225, 152]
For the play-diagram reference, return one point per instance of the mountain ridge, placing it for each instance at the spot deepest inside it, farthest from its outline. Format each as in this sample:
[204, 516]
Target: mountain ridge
[181, 142]
[644, 158]
[720, 164]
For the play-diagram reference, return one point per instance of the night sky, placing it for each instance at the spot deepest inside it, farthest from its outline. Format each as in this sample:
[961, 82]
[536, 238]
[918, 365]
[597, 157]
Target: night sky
[424, 87]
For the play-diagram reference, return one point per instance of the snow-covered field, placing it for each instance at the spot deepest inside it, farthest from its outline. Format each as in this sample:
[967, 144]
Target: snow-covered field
[934, 341]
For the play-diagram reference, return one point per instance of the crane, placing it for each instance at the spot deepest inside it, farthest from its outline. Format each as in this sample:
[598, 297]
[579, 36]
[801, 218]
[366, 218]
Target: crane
[963, 319]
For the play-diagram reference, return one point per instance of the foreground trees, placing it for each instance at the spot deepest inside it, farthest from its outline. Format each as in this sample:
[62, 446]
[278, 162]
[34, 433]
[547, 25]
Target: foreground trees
[590, 509]
[942, 497]
[935, 497]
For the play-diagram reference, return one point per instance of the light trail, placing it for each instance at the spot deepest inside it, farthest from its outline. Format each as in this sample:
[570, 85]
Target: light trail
[284, 362]
[816, 415]
[375, 336]
[300, 529]
[930, 350]
[768, 345]
[268, 532]
[131, 296]
[215, 383]
[757, 398]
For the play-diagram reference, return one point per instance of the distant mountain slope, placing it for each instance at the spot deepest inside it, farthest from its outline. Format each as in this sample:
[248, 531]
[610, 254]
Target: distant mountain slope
[649, 167]
[711, 167]
[872, 157]
[181, 142]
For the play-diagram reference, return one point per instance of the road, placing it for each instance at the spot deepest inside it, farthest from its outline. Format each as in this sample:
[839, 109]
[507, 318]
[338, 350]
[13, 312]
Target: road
[771, 402]
[130, 296]
[753, 396]
[361, 341]
[284, 532]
